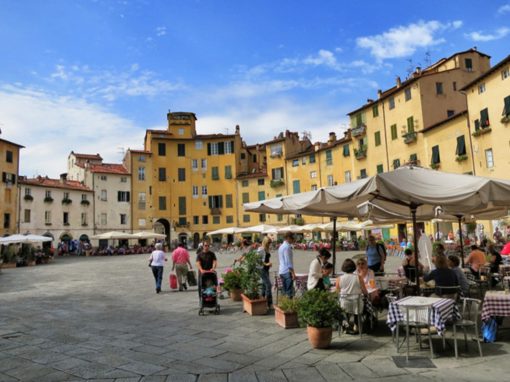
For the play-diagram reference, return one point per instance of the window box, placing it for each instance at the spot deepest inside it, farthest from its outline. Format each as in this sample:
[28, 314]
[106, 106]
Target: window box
[47, 223]
[505, 119]
[28, 198]
[48, 199]
[359, 131]
[85, 202]
[297, 221]
[410, 137]
[215, 211]
[481, 131]
[461, 158]
[66, 201]
[275, 183]
[84, 224]
[361, 153]
[66, 224]
[435, 166]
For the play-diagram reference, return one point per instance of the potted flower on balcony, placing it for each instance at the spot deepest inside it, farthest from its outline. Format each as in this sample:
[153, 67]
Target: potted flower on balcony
[66, 201]
[253, 303]
[320, 311]
[233, 282]
[285, 313]
[28, 198]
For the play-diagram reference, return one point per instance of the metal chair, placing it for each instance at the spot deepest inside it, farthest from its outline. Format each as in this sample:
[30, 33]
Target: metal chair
[470, 316]
[417, 318]
[452, 292]
[352, 304]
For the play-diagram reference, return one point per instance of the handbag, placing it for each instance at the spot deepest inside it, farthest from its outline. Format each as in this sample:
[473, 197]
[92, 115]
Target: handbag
[489, 330]
[192, 278]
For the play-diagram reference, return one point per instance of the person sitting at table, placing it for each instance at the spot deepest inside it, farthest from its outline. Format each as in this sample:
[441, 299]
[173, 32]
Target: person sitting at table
[442, 275]
[350, 286]
[409, 266]
[325, 282]
[368, 278]
[495, 261]
[315, 274]
[453, 263]
[475, 260]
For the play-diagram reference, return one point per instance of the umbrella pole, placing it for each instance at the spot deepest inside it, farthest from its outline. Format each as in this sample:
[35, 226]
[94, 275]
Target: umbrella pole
[459, 217]
[333, 247]
[415, 244]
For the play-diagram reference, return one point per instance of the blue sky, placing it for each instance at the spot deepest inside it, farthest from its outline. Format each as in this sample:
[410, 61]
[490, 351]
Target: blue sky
[91, 75]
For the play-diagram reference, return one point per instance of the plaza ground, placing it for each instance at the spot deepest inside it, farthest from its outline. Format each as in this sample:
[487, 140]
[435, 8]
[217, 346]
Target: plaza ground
[99, 318]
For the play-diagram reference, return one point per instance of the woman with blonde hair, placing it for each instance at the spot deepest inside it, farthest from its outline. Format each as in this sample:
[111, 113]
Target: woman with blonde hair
[265, 254]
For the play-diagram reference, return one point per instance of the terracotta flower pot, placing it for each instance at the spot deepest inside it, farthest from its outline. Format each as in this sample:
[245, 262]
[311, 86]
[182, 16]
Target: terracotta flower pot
[235, 294]
[8, 265]
[320, 338]
[287, 320]
[256, 307]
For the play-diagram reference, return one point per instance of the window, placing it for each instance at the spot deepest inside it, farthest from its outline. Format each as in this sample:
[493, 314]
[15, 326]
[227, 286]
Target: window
[229, 219]
[216, 220]
[199, 145]
[295, 163]
[205, 219]
[123, 219]
[330, 180]
[181, 174]
[162, 203]
[375, 111]
[8, 156]
[194, 164]
[311, 158]
[347, 177]
[505, 73]
[277, 173]
[454, 86]
[461, 146]
[194, 192]
[254, 158]
[123, 196]
[204, 164]
[468, 63]
[261, 181]
[396, 163]
[123, 179]
[182, 221]
[141, 173]
[28, 191]
[215, 174]
[65, 218]
[439, 88]
[506, 108]
[47, 194]
[162, 174]
[243, 156]
[212, 148]
[182, 205]
[162, 149]
[380, 168]
[314, 187]
[262, 218]
[180, 131]
[181, 149]
[104, 219]
[313, 174]
[489, 158]
[276, 150]
[436, 158]
[246, 197]
[262, 195]
[196, 219]
[410, 124]
[47, 217]
[104, 195]
[484, 118]
[346, 151]
[394, 131]
[477, 124]
[229, 148]
[481, 88]
[244, 183]
[246, 218]
[228, 201]
[377, 138]
[279, 218]
[216, 201]
[296, 188]
[303, 160]
[362, 173]
[141, 200]
[103, 178]
[228, 172]
[413, 158]
[391, 103]
[450, 113]
[329, 157]
[27, 216]
[66, 195]
[204, 191]
[84, 219]
[141, 158]
[407, 94]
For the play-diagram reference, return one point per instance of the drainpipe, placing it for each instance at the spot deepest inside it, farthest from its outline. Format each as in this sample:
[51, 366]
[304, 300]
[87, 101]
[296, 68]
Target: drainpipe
[385, 137]
[470, 136]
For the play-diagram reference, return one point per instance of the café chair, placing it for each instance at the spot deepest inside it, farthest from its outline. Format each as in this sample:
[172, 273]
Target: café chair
[452, 292]
[352, 304]
[419, 319]
[470, 319]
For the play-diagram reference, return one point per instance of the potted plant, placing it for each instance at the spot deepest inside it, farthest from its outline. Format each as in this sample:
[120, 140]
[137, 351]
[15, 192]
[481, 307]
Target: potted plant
[253, 303]
[233, 282]
[285, 313]
[8, 256]
[319, 310]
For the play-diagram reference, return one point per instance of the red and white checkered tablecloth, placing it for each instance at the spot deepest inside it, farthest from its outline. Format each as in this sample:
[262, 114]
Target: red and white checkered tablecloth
[495, 303]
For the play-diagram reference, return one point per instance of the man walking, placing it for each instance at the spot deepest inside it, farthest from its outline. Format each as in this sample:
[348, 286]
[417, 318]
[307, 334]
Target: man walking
[156, 262]
[180, 262]
[286, 268]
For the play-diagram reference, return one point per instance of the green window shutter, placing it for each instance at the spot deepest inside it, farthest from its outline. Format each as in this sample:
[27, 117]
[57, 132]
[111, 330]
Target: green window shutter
[375, 111]
[396, 163]
[296, 187]
[329, 157]
[377, 138]
[394, 132]
[461, 146]
[246, 197]
[506, 111]
[215, 173]
[228, 201]
[484, 118]
[380, 168]
[477, 124]
[346, 150]
[182, 205]
[228, 172]
[262, 195]
[410, 124]
[435, 155]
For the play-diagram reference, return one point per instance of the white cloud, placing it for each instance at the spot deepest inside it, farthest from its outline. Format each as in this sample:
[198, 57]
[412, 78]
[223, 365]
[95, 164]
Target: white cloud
[160, 31]
[480, 36]
[402, 41]
[50, 126]
[504, 9]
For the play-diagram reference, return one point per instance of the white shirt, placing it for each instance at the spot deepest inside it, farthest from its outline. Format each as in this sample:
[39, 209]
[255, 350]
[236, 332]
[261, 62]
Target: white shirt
[314, 274]
[157, 258]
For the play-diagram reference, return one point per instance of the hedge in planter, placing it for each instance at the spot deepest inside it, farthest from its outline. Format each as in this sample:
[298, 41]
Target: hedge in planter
[233, 282]
[285, 313]
[253, 303]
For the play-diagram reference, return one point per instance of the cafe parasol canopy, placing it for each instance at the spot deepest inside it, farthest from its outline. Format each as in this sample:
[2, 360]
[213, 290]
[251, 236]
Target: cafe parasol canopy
[407, 193]
[24, 239]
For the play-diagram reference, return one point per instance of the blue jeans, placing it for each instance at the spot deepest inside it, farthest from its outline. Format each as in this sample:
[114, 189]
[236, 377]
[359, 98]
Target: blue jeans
[288, 284]
[157, 271]
[266, 286]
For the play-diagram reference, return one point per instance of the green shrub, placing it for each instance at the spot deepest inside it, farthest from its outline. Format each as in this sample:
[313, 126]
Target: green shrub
[320, 309]
[251, 281]
[233, 279]
[288, 305]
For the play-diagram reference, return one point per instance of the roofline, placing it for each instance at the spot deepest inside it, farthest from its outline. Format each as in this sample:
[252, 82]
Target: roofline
[12, 143]
[444, 121]
[496, 67]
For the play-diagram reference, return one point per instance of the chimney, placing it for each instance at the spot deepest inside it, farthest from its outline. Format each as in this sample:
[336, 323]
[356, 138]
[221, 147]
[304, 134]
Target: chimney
[237, 130]
[417, 72]
[399, 82]
[63, 177]
[317, 146]
[332, 137]
[379, 93]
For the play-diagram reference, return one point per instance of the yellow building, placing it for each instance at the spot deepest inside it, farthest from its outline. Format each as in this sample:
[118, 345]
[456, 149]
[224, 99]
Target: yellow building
[488, 99]
[9, 166]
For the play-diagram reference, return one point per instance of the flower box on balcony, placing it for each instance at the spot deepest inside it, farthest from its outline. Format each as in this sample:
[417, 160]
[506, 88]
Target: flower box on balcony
[435, 166]
[85, 202]
[461, 158]
[481, 131]
[66, 201]
[28, 198]
[215, 211]
[505, 119]
[410, 137]
[48, 199]
[358, 131]
[361, 153]
[275, 183]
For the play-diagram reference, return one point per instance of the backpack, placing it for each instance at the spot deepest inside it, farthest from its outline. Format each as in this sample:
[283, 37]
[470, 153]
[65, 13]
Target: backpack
[489, 330]
[381, 247]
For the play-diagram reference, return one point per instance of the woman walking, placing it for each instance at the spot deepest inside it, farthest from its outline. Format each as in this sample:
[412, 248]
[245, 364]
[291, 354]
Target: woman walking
[156, 262]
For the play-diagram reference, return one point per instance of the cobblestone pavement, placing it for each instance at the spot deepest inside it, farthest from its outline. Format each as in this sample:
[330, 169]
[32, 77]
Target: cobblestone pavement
[100, 319]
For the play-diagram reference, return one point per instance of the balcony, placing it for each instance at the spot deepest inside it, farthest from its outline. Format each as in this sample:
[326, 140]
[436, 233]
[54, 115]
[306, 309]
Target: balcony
[28, 198]
[85, 202]
[66, 201]
[461, 158]
[215, 211]
[481, 131]
[410, 137]
[48, 199]
[361, 152]
[185, 225]
[275, 183]
[359, 131]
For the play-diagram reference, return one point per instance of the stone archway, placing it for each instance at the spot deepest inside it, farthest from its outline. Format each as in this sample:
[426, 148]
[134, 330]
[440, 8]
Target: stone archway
[196, 240]
[163, 226]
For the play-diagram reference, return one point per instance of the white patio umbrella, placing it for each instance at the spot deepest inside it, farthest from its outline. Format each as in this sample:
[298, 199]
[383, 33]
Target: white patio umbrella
[291, 228]
[114, 235]
[149, 235]
[24, 239]
[261, 228]
[224, 231]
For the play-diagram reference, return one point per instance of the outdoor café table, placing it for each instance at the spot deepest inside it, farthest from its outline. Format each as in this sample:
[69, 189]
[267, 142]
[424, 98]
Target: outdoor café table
[443, 310]
[495, 304]
[390, 282]
[301, 282]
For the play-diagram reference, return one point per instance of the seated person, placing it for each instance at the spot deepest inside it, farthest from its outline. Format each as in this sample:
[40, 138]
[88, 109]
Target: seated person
[325, 281]
[409, 266]
[475, 260]
[368, 278]
[453, 263]
[442, 275]
[315, 270]
[495, 258]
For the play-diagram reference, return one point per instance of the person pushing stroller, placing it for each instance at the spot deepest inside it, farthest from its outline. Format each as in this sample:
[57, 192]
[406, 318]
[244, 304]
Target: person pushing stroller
[206, 262]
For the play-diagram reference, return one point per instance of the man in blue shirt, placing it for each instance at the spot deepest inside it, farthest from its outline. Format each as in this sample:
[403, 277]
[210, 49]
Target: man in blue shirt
[286, 268]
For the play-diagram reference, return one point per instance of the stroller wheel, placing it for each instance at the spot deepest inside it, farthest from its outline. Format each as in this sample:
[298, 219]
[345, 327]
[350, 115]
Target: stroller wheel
[201, 312]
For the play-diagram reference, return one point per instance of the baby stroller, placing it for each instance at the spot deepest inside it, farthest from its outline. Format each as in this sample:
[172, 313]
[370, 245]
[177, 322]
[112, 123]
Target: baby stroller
[208, 288]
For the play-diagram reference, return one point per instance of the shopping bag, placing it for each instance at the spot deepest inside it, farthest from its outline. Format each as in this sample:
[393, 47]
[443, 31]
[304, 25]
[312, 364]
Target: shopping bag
[489, 330]
[192, 278]
[173, 281]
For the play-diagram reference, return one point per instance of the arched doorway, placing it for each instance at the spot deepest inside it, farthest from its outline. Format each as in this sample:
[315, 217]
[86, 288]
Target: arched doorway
[196, 240]
[48, 245]
[183, 238]
[84, 238]
[163, 226]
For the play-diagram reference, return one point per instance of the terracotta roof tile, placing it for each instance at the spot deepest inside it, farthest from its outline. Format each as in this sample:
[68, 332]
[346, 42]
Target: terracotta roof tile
[55, 183]
[108, 168]
[87, 156]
